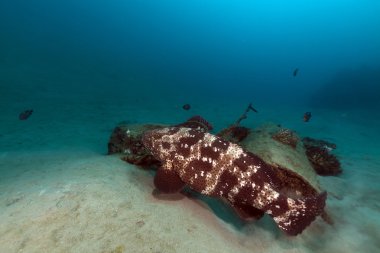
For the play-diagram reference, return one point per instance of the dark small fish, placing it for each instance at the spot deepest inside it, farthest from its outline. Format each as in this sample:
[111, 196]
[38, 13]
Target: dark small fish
[250, 107]
[25, 114]
[295, 72]
[186, 107]
[306, 116]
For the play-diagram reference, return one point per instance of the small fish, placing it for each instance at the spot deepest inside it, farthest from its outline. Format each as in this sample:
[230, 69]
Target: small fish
[186, 107]
[295, 72]
[25, 114]
[306, 116]
[250, 107]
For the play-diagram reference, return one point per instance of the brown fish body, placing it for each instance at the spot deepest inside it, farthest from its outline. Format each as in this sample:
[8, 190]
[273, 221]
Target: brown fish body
[295, 72]
[306, 116]
[186, 107]
[214, 167]
[25, 114]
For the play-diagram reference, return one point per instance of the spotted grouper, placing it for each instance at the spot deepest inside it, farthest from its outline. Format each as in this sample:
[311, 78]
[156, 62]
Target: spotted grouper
[214, 167]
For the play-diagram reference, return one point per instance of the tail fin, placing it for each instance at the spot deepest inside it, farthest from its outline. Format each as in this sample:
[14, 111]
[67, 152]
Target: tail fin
[300, 213]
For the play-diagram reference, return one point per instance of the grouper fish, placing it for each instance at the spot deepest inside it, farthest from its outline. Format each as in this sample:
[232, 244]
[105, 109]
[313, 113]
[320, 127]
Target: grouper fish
[214, 167]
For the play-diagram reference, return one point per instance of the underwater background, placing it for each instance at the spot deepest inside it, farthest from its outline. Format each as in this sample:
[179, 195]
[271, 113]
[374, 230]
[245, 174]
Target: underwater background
[84, 66]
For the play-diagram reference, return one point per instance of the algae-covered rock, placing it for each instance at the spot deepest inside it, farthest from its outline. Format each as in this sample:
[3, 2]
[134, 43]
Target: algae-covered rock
[286, 136]
[319, 153]
[299, 174]
[290, 162]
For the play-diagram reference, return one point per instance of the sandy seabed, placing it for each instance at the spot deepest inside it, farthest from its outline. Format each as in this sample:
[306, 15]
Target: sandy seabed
[60, 192]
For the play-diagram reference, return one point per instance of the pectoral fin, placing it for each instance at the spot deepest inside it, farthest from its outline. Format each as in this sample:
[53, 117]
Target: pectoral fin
[247, 212]
[167, 180]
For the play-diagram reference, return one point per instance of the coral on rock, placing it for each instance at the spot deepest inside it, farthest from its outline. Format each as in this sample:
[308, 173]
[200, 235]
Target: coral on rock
[197, 122]
[286, 136]
[310, 142]
[319, 154]
[234, 134]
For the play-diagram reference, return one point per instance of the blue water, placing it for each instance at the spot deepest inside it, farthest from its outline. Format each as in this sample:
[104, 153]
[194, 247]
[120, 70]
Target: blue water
[85, 65]
[198, 49]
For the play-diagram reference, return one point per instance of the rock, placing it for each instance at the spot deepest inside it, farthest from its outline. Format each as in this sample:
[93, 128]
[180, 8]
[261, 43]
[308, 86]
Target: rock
[292, 163]
[292, 166]
[319, 154]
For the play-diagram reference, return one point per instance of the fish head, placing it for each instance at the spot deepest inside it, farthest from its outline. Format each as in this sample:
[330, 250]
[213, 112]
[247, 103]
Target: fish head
[160, 142]
[171, 142]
